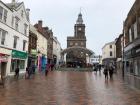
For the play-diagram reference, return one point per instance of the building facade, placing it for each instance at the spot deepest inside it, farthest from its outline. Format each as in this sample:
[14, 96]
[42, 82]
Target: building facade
[14, 32]
[76, 52]
[119, 52]
[132, 46]
[42, 46]
[109, 53]
[95, 59]
[56, 51]
[32, 47]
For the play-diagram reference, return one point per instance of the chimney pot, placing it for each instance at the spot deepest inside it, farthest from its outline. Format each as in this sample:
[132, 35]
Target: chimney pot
[40, 23]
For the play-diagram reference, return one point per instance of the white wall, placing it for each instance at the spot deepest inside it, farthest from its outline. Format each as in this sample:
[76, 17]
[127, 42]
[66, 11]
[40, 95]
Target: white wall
[11, 32]
[106, 50]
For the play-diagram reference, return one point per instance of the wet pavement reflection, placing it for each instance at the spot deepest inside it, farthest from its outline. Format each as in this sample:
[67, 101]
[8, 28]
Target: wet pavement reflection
[69, 88]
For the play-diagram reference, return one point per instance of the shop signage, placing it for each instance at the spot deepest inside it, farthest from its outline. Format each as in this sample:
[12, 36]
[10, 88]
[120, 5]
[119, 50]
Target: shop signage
[19, 54]
[3, 58]
[33, 52]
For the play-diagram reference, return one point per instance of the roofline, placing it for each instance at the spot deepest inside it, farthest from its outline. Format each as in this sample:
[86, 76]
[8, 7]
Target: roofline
[6, 6]
[108, 43]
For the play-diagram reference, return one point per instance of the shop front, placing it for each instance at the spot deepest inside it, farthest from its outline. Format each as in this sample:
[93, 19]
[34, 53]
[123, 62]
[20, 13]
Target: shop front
[132, 66]
[42, 62]
[19, 59]
[32, 58]
[3, 64]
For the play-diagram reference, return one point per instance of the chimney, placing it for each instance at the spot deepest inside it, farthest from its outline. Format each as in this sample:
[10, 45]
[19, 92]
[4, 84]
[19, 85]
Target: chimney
[28, 14]
[13, 3]
[40, 23]
[46, 28]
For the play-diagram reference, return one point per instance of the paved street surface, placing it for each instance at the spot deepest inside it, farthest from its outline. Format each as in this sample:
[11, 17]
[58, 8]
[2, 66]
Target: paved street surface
[69, 88]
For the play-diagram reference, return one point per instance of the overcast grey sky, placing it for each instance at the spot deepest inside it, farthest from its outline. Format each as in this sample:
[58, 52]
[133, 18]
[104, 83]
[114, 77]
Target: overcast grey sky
[103, 18]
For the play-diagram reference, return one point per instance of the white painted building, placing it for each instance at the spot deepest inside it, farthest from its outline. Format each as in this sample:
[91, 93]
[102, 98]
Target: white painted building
[96, 59]
[109, 53]
[14, 30]
[56, 50]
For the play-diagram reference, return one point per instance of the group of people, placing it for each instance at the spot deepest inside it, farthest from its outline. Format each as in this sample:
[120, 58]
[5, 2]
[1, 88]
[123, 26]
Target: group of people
[97, 67]
[108, 70]
[31, 70]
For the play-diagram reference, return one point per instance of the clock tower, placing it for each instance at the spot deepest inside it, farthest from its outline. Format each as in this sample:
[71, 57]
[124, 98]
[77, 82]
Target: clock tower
[76, 51]
[79, 28]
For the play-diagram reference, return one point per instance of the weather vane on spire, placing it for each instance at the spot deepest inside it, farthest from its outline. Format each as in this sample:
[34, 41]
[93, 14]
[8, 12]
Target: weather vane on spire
[80, 9]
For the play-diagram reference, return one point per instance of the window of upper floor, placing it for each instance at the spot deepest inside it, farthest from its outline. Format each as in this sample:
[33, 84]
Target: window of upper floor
[17, 23]
[25, 29]
[130, 35]
[111, 53]
[24, 44]
[15, 42]
[3, 14]
[3, 34]
[110, 46]
[22, 13]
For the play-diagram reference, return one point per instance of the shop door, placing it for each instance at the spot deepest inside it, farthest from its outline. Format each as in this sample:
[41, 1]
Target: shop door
[3, 69]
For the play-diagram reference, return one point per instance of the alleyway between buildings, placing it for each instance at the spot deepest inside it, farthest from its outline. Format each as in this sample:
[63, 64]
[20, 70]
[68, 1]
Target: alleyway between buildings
[69, 88]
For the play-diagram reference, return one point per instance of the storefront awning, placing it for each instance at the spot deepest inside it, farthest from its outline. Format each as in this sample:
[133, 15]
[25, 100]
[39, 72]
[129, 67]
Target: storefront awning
[19, 54]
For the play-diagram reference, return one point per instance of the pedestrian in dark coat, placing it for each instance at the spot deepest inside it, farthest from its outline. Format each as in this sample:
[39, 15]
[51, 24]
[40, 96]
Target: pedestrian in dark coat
[17, 72]
[111, 72]
[106, 72]
[27, 73]
[47, 69]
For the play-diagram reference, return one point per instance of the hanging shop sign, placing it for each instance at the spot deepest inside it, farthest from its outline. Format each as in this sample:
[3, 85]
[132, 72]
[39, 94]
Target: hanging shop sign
[3, 58]
[19, 54]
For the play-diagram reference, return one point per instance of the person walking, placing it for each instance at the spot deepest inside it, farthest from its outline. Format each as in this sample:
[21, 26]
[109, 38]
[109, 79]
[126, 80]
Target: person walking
[27, 73]
[106, 72]
[111, 72]
[17, 73]
[47, 69]
[30, 71]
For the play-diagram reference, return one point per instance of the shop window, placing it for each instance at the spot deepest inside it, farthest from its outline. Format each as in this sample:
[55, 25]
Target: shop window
[17, 63]
[22, 64]
[131, 67]
[127, 66]
[138, 64]
[136, 67]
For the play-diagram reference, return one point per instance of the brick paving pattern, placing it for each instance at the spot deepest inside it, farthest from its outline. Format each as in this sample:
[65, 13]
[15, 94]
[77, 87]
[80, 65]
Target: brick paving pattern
[69, 88]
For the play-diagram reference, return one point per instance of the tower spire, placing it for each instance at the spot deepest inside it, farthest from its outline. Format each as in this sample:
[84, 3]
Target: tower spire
[80, 19]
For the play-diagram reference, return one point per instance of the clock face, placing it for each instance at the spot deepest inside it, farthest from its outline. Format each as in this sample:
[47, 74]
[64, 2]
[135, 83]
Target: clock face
[79, 29]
